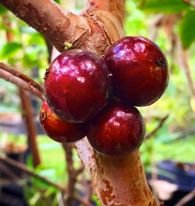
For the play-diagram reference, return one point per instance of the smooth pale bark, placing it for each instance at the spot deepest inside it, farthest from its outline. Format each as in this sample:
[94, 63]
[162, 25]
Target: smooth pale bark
[119, 181]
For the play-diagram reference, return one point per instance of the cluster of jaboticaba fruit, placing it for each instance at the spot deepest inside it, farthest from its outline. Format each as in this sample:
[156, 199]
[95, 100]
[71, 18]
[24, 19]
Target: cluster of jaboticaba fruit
[96, 97]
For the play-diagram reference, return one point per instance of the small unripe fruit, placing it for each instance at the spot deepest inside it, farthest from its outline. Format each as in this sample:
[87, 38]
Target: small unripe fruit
[57, 129]
[77, 85]
[118, 129]
[138, 70]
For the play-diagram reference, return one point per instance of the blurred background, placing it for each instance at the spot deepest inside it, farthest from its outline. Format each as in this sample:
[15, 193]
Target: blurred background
[36, 169]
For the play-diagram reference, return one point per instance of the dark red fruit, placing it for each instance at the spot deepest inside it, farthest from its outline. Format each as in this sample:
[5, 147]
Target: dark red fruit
[138, 70]
[77, 85]
[118, 129]
[57, 129]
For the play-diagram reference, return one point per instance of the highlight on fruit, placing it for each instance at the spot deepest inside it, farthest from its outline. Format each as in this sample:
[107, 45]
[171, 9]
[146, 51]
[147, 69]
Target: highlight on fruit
[138, 70]
[94, 96]
[118, 129]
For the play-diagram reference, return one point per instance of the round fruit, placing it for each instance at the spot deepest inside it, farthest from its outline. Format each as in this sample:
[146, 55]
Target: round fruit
[118, 129]
[57, 129]
[138, 70]
[77, 85]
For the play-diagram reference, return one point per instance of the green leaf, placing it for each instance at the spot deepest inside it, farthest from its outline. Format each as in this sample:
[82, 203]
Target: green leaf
[164, 6]
[10, 49]
[187, 33]
[2, 10]
[57, 1]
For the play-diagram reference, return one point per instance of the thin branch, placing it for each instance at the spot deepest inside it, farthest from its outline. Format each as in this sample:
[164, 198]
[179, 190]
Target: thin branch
[27, 115]
[157, 128]
[27, 112]
[12, 75]
[72, 174]
[187, 198]
[6, 171]
[24, 169]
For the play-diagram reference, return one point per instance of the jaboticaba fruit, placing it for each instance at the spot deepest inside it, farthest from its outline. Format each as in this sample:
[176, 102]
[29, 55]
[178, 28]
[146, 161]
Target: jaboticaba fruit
[77, 85]
[138, 70]
[118, 129]
[57, 129]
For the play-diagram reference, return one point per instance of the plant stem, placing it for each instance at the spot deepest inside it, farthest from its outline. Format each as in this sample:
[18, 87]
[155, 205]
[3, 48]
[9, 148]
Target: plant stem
[48, 18]
[23, 168]
[27, 114]
[119, 180]
[12, 75]
[155, 130]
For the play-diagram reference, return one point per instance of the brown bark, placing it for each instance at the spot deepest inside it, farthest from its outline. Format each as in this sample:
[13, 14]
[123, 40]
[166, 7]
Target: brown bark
[24, 82]
[48, 18]
[87, 31]
[119, 181]
[30, 126]
[15, 76]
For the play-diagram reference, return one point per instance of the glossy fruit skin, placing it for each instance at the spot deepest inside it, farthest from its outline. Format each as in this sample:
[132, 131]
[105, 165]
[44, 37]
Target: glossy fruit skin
[139, 70]
[118, 129]
[77, 85]
[57, 129]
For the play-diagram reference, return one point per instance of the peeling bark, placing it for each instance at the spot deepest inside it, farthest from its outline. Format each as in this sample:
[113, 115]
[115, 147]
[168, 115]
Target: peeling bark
[119, 180]
[82, 31]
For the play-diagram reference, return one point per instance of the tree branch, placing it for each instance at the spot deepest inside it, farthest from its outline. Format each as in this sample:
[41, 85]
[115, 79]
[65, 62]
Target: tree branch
[12, 75]
[155, 130]
[72, 174]
[82, 31]
[27, 115]
[187, 198]
[48, 18]
[118, 180]
[23, 168]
